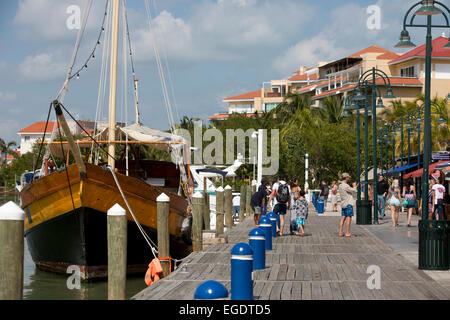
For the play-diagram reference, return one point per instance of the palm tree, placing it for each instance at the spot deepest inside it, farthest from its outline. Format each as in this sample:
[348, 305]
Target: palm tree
[332, 110]
[5, 149]
[292, 103]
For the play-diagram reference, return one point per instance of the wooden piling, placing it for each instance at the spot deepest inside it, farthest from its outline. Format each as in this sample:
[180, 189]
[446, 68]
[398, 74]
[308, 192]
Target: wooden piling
[117, 252]
[11, 251]
[197, 218]
[206, 212]
[229, 207]
[163, 204]
[242, 204]
[220, 210]
[248, 197]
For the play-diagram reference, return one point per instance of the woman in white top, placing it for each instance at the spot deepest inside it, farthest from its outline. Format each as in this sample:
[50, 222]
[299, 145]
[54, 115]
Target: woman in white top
[394, 202]
[334, 197]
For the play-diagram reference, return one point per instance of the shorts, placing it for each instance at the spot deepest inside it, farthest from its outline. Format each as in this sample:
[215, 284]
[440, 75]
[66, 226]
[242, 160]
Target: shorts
[280, 208]
[347, 211]
[256, 209]
[300, 221]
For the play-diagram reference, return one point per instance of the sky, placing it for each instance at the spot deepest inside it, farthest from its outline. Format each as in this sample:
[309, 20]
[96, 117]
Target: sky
[210, 49]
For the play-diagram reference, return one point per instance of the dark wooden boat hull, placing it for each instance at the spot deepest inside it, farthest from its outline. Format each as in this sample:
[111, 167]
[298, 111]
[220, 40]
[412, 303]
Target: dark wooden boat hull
[67, 226]
[79, 238]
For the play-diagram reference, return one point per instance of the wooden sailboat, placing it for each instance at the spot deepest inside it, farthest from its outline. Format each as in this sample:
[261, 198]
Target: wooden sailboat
[66, 210]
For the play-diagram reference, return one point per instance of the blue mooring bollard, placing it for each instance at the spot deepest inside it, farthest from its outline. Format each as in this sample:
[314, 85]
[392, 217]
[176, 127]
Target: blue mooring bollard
[266, 226]
[210, 290]
[257, 240]
[241, 272]
[273, 220]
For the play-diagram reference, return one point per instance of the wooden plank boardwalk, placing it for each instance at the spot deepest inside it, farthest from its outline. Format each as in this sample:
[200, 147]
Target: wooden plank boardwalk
[319, 266]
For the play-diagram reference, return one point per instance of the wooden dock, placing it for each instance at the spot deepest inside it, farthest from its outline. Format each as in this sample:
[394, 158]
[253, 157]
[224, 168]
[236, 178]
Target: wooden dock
[319, 266]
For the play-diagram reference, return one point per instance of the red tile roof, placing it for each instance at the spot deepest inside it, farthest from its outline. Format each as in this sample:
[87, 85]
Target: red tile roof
[38, 127]
[438, 51]
[375, 49]
[245, 96]
[335, 91]
[304, 77]
[312, 86]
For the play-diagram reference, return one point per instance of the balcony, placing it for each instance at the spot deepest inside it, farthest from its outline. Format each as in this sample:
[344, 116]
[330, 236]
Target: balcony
[273, 95]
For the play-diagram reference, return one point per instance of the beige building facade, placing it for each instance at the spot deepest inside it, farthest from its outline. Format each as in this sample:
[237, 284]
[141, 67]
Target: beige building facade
[340, 78]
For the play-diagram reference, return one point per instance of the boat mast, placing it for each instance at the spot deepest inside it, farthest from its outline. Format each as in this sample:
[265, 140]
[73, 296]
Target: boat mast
[137, 99]
[113, 83]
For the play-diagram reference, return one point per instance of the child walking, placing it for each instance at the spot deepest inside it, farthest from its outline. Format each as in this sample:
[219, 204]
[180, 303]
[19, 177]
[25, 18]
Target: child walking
[300, 209]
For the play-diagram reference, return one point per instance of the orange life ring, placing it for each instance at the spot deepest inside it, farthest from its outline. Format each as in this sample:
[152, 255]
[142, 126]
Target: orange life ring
[153, 272]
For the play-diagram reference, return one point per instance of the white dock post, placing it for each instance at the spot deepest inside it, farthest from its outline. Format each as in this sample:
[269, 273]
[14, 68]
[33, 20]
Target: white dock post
[117, 252]
[163, 203]
[11, 251]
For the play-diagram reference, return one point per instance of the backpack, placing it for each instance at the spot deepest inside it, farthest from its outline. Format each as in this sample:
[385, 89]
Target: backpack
[283, 193]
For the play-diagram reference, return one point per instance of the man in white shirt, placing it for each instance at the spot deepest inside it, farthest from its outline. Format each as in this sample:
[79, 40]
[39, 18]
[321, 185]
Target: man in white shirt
[281, 200]
[439, 190]
[347, 204]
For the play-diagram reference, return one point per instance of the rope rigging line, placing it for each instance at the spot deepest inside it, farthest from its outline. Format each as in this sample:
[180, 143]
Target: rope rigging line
[151, 244]
[65, 165]
[176, 151]
[149, 241]
[86, 12]
[166, 60]
[92, 138]
[92, 55]
[131, 58]
[43, 139]
[102, 80]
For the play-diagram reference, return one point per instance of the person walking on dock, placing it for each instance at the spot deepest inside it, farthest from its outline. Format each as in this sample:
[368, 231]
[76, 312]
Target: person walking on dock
[409, 193]
[258, 200]
[394, 202]
[294, 188]
[382, 190]
[347, 203]
[280, 194]
[300, 211]
[438, 205]
[323, 194]
[334, 197]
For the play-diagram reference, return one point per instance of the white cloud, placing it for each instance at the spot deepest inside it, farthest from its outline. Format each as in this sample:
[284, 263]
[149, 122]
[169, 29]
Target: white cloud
[43, 67]
[176, 35]
[223, 30]
[345, 33]
[46, 19]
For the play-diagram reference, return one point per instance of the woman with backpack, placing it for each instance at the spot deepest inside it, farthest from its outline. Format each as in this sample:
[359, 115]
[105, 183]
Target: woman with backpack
[281, 196]
[409, 193]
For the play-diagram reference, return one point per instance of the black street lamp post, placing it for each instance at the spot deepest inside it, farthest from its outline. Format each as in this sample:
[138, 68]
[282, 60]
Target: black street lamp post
[368, 80]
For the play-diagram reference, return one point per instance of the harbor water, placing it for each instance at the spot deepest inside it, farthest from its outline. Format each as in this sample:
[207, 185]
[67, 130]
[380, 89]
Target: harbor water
[43, 285]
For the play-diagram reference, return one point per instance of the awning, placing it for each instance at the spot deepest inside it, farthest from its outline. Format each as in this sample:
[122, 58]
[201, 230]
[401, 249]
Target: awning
[213, 171]
[419, 173]
[400, 169]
